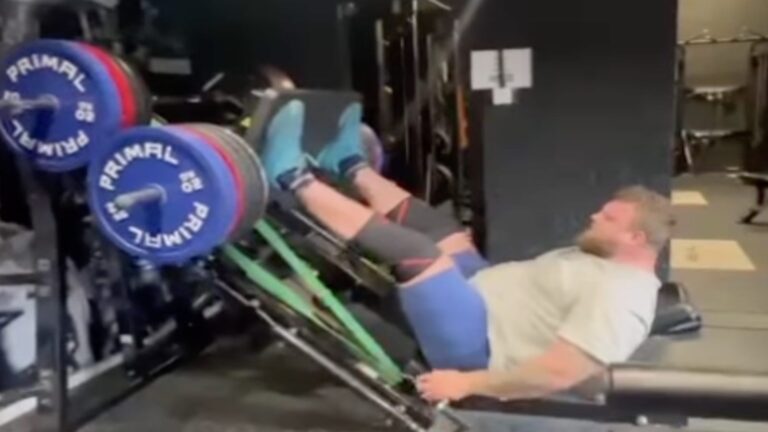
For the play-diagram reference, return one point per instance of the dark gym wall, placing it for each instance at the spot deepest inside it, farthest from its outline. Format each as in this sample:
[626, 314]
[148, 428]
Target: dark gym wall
[599, 117]
[302, 37]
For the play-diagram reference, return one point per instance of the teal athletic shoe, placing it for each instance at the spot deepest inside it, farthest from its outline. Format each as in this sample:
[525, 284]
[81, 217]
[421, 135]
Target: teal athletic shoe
[282, 155]
[345, 154]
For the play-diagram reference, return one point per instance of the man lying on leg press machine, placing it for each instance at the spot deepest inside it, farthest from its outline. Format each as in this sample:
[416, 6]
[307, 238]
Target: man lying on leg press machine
[516, 330]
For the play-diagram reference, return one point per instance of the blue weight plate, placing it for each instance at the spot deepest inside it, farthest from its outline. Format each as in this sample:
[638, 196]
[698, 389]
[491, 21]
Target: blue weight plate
[89, 111]
[197, 207]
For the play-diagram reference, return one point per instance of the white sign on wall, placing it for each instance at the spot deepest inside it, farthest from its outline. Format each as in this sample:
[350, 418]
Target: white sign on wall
[502, 71]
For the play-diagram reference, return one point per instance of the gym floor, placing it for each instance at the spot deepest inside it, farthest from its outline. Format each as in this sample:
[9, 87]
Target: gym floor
[723, 264]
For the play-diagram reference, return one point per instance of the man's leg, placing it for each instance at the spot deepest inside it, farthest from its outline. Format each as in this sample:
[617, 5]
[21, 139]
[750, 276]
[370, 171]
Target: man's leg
[401, 207]
[447, 315]
[345, 157]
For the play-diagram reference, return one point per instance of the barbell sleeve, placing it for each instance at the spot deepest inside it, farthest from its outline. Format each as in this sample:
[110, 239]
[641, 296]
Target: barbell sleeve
[149, 194]
[17, 106]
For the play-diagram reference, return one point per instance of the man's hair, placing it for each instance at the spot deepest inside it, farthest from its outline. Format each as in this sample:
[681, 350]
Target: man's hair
[654, 218]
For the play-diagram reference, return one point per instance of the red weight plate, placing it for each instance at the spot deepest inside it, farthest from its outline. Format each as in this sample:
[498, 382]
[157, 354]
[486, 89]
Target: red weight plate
[127, 98]
[140, 91]
[254, 200]
[213, 141]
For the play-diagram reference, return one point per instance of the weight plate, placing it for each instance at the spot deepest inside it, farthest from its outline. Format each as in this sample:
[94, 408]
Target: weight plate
[374, 151]
[257, 189]
[243, 171]
[127, 97]
[87, 115]
[239, 190]
[141, 91]
[260, 192]
[197, 207]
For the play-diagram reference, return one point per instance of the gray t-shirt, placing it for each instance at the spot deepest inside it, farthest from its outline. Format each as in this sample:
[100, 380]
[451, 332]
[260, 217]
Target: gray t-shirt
[603, 307]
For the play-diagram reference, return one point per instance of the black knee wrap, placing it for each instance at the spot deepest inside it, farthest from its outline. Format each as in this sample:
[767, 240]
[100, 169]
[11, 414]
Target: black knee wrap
[408, 251]
[418, 215]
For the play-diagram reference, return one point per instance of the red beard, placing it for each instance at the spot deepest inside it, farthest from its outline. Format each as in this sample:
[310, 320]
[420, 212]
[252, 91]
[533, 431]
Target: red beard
[594, 245]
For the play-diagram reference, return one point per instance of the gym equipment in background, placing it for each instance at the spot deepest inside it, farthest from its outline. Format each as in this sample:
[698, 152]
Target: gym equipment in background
[756, 156]
[721, 101]
[745, 35]
[411, 82]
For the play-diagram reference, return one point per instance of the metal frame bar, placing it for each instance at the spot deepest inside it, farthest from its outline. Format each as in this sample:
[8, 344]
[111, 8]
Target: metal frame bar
[721, 41]
[379, 395]
[704, 38]
[417, 125]
[50, 301]
[383, 79]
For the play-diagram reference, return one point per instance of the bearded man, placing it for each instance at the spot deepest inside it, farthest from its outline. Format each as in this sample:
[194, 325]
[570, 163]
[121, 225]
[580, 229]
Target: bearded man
[515, 330]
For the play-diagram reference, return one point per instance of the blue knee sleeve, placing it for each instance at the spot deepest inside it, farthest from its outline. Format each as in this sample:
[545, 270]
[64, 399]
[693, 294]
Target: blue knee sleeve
[469, 262]
[449, 318]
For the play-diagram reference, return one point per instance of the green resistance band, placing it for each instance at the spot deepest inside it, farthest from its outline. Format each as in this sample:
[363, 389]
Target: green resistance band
[386, 366]
[358, 340]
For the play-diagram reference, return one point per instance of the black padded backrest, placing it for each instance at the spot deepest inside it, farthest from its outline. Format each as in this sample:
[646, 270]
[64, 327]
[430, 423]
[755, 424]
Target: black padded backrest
[674, 312]
[695, 393]
[323, 109]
